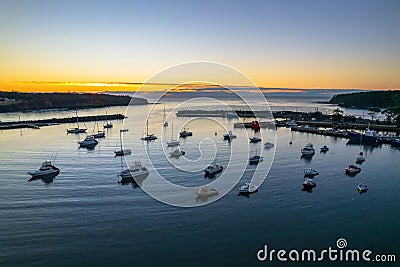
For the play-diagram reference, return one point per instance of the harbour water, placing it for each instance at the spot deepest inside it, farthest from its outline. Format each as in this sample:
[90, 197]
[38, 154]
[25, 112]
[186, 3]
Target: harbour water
[86, 218]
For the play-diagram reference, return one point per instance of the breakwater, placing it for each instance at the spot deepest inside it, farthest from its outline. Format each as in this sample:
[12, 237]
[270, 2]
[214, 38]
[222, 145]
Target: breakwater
[36, 124]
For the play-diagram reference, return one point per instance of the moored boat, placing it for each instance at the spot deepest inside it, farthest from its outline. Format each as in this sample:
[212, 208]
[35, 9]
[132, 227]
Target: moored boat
[46, 170]
[351, 169]
[213, 169]
[308, 150]
[362, 188]
[229, 136]
[255, 139]
[89, 142]
[185, 133]
[324, 149]
[247, 188]
[310, 172]
[205, 191]
[309, 184]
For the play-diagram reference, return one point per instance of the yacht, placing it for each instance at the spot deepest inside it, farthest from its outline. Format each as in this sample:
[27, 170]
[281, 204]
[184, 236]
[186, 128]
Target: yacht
[324, 149]
[362, 188]
[122, 151]
[310, 172]
[360, 158]
[247, 188]
[309, 184]
[255, 139]
[89, 142]
[46, 170]
[308, 150]
[351, 169]
[205, 191]
[229, 136]
[76, 130]
[185, 133]
[268, 145]
[148, 137]
[173, 142]
[213, 169]
[177, 153]
[136, 170]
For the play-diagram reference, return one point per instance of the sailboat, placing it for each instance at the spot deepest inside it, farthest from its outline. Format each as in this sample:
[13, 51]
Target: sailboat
[99, 134]
[173, 142]
[76, 129]
[148, 137]
[255, 159]
[122, 152]
[108, 123]
[165, 122]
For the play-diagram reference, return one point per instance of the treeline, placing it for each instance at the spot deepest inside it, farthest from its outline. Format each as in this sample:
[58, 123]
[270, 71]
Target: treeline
[17, 101]
[381, 99]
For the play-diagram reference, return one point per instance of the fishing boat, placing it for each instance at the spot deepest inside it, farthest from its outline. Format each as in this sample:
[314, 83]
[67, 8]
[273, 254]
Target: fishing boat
[148, 137]
[310, 172]
[46, 170]
[268, 145]
[360, 158]
[368, 137]
[173, 142]
[205, 191]
[255, 139]
[362, 188]
[324, 149]
[309, 184]
[351, 169]
[122, 152]
[254, 160]
[213, 169]
[136, 170]
[247, 188]
[165, 122]
[177, 153]
[108, 124]
[89, 142]
[77, 129]
[308, 150]
[185, 133]
[229, 136]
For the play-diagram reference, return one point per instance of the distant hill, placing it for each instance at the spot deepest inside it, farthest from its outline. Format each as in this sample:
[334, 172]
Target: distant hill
[381, 99]
[16, 101]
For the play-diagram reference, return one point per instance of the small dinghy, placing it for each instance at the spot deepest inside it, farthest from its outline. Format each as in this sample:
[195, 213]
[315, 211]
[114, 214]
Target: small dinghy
[360, 158]
[213, 169]
[309, 184]
[229, 136]
[324, 149]
[268, 145]
[351, 169]
[362, 188]
[310, 172]
[185, 133]
[255, 139]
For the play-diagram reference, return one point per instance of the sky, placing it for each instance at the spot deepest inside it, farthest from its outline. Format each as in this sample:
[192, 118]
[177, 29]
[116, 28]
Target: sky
[84, 45]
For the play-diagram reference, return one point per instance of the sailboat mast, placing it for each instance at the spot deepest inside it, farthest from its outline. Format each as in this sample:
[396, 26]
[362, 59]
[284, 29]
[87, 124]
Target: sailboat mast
[120, 138]
[76, 113]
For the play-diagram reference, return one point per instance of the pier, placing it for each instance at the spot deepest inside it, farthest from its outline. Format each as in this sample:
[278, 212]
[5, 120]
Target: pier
[36, 124]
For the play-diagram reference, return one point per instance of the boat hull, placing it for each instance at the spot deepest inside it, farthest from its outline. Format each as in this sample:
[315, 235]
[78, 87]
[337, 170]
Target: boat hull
[361, 138]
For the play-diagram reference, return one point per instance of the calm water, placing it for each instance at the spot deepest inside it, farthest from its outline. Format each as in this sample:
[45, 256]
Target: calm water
[84, 217]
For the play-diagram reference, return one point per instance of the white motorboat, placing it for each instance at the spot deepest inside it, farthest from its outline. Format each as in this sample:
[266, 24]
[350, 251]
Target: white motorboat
[185, 133]
[122, 151]
[136, 170]
[173, 142]
[229, 136]
[360, 158]
[177, 153]
[255, 139]
[89, 142]
[351, 169]
[362, 188]
[309, 184]
[46, 170]
[77, 129]
[324, 149]
[308, 150]
[205, 191]
[268, 145]
[311, 172]
[247, 188]
[213, 169]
